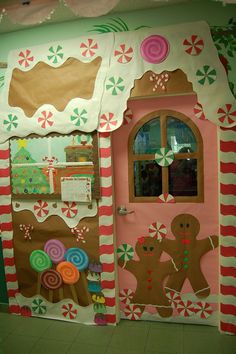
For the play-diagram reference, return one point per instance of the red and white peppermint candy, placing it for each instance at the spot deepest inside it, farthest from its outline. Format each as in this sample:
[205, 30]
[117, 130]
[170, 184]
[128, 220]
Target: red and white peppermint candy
[128, 116]
[157, 230]
[193, 45]
[70, 209]
[174, 298]
[69, 311]
[25, 58]
[185, 308]
[89, 48]
[41, 208]
[45, 120]
[126, 295]
[124, 54]
[107, 121]
[203, 309]
[198, 111]
[165, 198]
[228, 115]
[132, 312]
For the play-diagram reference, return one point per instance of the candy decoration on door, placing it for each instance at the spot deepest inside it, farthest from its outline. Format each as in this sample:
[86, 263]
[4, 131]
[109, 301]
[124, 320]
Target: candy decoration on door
[164, 156]
[154, 49]
[157, 230]
[128, 116]
[133, 312]
[207, 75]
[39, 306]
[70, 209]
[203, 309]
[124, 55]
[125, 252]
[68, 311]
[11, 122]
[165, 198]
[107, 121]
[55, 54]
[227, 114]
[194, 45]
[25, 58]
[89, 48]
[45, 120]
[126, 296]
[185, 308]
[41, 208]
[198, 111]
[115, 85]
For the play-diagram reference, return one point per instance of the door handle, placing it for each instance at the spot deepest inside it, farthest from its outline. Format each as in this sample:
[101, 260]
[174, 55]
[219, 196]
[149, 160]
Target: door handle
[121, 210]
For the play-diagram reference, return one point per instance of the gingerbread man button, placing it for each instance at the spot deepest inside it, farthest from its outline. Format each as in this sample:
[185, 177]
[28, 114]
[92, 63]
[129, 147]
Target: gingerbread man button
[188, 250]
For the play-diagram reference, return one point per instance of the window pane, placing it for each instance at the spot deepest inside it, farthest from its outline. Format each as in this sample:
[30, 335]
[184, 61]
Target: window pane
[179, 136]
[148, 138]
[183, 177]
[147, 178]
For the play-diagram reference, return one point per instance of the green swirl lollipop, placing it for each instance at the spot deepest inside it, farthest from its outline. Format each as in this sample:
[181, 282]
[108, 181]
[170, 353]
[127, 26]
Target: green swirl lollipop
[40, 261]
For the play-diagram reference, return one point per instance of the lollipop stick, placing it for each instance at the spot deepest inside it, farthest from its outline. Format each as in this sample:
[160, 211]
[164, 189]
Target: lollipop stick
[124, 264]
[61, 294]
[73, 292]
[50, 296]
[38, 284]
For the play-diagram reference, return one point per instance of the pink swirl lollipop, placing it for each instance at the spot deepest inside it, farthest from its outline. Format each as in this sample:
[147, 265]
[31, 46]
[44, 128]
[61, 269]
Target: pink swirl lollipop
[55, 249]
[154, 49]
[51, 279]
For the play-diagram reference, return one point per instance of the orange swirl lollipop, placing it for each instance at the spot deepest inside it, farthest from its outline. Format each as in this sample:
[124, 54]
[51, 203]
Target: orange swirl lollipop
[70, 275]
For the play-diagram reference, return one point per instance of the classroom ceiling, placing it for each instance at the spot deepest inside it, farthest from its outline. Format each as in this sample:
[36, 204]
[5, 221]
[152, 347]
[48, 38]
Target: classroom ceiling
[17, 14]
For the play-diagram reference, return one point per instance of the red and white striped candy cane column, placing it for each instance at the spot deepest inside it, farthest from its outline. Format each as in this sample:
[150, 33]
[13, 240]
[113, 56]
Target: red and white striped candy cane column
[106, 239]
[6, 228]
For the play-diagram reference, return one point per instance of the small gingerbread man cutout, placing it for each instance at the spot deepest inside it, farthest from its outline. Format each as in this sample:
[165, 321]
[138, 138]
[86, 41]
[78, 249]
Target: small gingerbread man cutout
[188, 251]
[150, 274]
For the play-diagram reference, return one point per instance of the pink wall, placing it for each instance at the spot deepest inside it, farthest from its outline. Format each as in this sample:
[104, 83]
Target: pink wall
[130, 227]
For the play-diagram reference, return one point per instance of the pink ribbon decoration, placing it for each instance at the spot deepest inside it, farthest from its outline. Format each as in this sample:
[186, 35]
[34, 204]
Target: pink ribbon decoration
[79, 233]
[26, 229]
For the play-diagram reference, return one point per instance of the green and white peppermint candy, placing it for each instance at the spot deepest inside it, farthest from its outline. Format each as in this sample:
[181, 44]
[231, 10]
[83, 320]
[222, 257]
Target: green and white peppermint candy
[39, 307]
[80, 118]
[11, 122]
[56, 55]
[125, 252]
[115, 85]
[164, 156]
[206, 75]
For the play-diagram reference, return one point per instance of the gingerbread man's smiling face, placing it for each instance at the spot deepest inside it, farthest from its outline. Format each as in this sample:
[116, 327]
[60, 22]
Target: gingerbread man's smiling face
[148, 247]
[185, 227]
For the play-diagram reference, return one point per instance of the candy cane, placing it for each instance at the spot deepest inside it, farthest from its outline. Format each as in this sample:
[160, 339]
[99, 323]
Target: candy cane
[80, 233]
[26, 229]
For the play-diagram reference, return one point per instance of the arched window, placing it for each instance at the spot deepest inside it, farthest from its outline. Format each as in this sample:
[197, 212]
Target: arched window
[165, 156]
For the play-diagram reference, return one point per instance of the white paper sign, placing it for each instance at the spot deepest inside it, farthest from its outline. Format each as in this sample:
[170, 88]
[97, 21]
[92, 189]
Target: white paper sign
[76, 189]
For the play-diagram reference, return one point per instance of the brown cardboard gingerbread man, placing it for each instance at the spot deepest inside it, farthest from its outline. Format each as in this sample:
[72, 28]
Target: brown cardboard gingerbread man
[150, 274]
[188, 250]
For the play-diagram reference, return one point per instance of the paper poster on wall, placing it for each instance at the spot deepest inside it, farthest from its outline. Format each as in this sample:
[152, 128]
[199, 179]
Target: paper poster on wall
[76, 189]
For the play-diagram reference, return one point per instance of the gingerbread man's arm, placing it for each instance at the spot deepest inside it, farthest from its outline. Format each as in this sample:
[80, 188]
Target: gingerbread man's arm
[130, 265]
[169, 267]
[207, 244]
[169, 246]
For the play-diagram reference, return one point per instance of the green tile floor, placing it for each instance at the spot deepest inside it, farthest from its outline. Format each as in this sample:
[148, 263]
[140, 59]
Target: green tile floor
[23, 335]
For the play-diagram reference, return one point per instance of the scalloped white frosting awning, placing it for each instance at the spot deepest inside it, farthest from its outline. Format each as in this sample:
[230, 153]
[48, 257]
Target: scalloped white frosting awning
[124, 57]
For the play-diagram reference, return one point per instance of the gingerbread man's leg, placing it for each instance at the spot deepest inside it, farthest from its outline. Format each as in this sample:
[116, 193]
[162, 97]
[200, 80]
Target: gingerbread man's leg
[176, 281]
[198, 282]
[164, 308]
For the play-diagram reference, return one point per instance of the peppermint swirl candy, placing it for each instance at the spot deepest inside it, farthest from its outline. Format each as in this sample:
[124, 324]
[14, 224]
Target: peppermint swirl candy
[40, 260]
[78, 257]
[51, 279]
[69, 272]
[55, 249]
[154, 49]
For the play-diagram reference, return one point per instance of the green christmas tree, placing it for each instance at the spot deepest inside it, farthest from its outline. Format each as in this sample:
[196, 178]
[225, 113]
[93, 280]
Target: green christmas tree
[27, 179]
